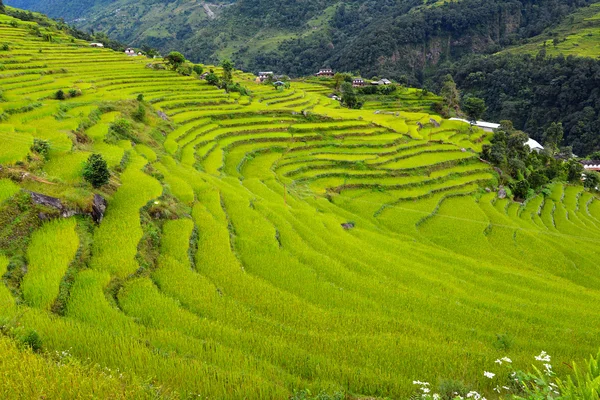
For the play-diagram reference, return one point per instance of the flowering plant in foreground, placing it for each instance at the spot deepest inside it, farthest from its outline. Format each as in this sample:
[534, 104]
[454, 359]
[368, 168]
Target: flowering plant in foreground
[540, 384]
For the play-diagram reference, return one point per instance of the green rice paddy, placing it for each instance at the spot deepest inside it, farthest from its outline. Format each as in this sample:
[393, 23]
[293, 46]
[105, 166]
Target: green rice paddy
[222, 268]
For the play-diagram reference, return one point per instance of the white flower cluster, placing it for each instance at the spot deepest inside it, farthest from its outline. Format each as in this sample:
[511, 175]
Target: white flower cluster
[503, 360]
[544, 357]
[475, 395]
[425, 391]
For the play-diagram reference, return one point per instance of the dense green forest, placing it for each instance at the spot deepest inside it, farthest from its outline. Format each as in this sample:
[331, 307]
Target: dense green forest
[534, 92]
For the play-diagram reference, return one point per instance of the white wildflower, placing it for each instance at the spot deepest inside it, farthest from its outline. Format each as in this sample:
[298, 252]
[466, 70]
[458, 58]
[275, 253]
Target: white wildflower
[543, 357]
[489, 374]
[436, 396]
[506, 359]
[425, 390]
[497, 389]
[505, 388]
[499, 362]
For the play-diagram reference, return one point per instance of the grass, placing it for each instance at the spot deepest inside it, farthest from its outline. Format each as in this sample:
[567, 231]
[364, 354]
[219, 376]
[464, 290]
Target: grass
[221, 267]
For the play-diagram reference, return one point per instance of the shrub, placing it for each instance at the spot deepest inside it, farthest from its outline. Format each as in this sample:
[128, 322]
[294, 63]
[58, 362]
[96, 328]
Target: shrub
[42, 147]
[121, 129]
[140, 113]
[212, 78]
[96, 171]
[140, 97]
[185, 70]
[592, 180]
[74, 93]
[5, 47]
[60, 95]
[198, 69]
[33, 341]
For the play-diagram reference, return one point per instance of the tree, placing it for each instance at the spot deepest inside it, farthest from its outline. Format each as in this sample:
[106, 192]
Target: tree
[96, 171]
[198, 69]
[212, 78]
[553, 137]
[227, 66]
[60, 95]
[574, 171]
[2, 8]
[349, 97]
[174, 60]
[474, 108]
[450, 94]
[592, 180]
[340, 78]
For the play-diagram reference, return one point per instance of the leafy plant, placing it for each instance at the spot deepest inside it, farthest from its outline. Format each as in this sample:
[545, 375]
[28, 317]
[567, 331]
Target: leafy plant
[96, 171]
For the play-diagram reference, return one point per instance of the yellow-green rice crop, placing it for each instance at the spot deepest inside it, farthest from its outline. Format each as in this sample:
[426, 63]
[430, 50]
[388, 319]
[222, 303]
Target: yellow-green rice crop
[52, 249]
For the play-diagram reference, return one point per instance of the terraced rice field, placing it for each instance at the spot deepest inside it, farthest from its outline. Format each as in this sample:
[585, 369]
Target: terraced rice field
[249, 286]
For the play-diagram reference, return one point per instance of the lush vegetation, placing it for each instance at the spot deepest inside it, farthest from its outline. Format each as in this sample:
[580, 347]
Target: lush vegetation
[268, 243]
[406, 40]
[536, 91]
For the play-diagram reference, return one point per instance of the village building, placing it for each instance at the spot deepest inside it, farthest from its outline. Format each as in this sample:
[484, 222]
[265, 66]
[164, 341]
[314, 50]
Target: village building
[325, 72]
[382, 82]
[534, 145]
[130, 52]
[358, 82]
[591, 165]
[486, 126]
[263, 76]
[96, 45]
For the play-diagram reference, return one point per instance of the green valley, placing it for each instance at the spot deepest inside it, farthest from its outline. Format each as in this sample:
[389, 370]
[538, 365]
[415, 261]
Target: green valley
[266, 242]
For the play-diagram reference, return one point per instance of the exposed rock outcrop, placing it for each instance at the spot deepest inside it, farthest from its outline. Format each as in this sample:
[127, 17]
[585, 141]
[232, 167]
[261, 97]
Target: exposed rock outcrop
[98, 208]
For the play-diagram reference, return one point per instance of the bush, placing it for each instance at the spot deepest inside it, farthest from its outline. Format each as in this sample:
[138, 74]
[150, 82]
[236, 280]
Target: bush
[198, 69]
[74, 93]
[42, 147]
[33, 341]
[140, 97]
[140, 113]
[121, 129]
[60, 95]
[5, 47]
[185, 70]
[592, 180]
[212, 79]
[96, 171]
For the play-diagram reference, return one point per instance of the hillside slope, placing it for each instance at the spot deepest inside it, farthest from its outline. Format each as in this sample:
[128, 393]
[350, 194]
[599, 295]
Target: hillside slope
[258, 245]
[577, 35]
[376, 37]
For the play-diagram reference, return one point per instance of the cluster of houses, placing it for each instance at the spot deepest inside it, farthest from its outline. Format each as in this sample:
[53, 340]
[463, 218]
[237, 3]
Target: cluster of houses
[128, 51]
[591, 165]
[132, 53]
[270, 75]
[357, 82]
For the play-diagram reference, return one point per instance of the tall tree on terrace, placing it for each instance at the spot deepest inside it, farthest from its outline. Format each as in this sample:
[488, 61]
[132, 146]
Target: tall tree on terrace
[450, 94]
[474, 108]
[174, 60]
[553, 137]
[227, 66]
